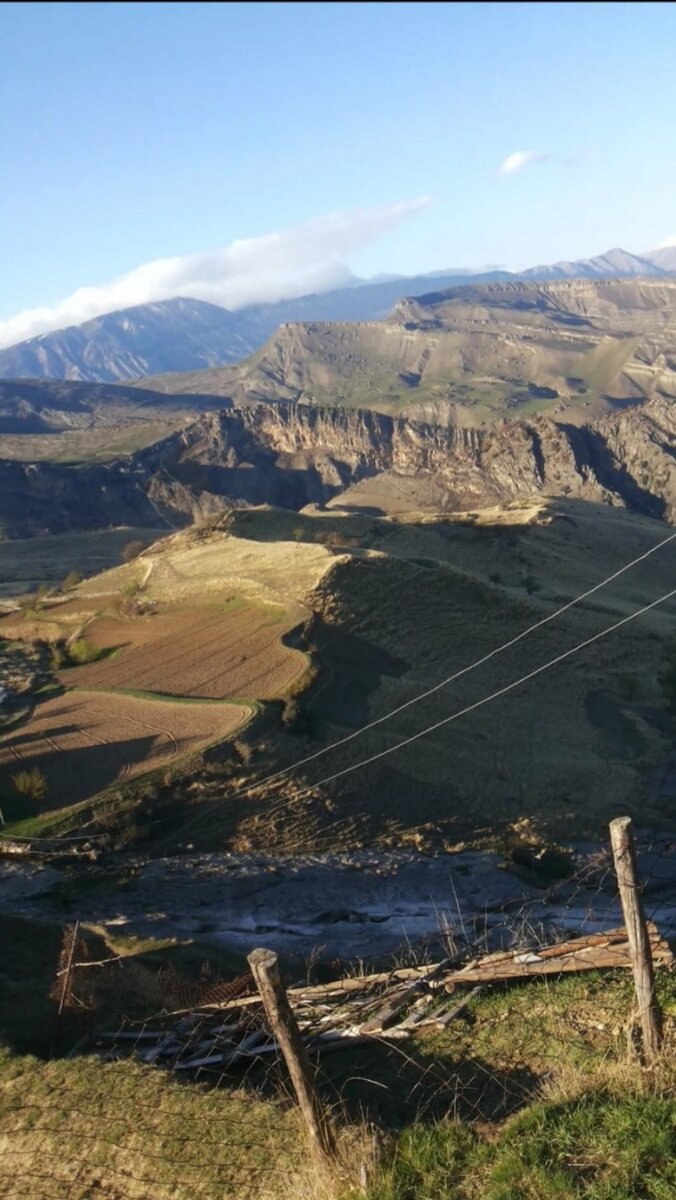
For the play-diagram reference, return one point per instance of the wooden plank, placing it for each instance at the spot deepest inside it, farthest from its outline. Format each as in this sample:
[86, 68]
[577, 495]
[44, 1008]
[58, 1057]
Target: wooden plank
[444, 1018]
[398, 1000]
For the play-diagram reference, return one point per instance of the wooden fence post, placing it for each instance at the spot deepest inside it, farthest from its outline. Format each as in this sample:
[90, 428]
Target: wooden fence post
[69, 968]
[624, 854]
[265, 968]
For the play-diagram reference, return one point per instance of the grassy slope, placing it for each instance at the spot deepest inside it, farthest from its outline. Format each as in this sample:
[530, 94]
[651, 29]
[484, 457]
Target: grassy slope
[99, 444]
[529, 1096]
[28, 562]
[566, 751]
[403, 606]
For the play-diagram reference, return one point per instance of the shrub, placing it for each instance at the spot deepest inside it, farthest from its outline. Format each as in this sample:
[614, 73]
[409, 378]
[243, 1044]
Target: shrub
[131, 550]
[129, 602]
[83, 651]
[30, 783]
[72, 579]
[33, 603]
[531, 584]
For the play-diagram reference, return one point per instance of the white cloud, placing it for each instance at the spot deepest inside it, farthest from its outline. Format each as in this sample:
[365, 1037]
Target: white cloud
[670, 241]
[520, 159]
[306, 258]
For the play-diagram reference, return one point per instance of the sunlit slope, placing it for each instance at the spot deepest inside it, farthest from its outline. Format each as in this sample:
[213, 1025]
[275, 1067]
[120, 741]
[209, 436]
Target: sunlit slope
[584, 345]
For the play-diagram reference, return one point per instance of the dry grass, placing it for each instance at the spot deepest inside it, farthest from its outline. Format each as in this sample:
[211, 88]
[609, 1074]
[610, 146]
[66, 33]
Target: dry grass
[85, 741]
[199, 652]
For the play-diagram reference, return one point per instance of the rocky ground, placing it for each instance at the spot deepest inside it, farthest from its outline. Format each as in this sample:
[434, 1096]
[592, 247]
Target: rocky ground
[362, 905]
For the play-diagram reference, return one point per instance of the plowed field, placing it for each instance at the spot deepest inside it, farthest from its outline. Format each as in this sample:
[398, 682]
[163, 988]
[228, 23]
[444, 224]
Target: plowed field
[86, 741]
[197, 652]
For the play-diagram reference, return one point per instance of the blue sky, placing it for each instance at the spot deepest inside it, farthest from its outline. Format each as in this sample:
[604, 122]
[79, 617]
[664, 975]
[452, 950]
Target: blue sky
[133, 132]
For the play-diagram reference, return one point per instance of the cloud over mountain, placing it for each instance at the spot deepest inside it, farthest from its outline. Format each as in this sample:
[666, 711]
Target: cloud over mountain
[308, 257]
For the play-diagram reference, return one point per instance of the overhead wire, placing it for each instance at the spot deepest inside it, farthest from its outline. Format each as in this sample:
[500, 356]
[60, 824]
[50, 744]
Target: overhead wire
[279, 774]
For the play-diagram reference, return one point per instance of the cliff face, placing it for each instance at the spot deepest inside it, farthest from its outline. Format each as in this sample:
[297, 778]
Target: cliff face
[290, 455]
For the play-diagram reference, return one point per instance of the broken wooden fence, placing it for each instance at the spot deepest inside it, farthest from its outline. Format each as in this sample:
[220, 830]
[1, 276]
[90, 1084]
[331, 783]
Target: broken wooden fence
[385, 1006]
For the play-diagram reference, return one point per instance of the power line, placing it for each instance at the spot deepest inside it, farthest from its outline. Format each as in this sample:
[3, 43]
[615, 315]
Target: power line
[267, 779]
[436, 687]
[478, 703]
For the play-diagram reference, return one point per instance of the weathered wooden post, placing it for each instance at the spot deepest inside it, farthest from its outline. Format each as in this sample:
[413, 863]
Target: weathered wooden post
[69, 968]
[265, 968]
[624, 853]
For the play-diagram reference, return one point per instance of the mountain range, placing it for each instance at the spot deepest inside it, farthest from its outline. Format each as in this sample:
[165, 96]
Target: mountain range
[183, 334]
[480, 350]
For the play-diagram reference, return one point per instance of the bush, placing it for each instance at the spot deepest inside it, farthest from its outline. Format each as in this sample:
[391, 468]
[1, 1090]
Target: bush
[33, 603]
[30, 783]
[83, 651]
[131, 551]
[129, 603]
[71, 581]
[335, 539]
[531, 584]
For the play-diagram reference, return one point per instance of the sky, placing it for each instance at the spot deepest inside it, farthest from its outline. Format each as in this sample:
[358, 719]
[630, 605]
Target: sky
[243, 152]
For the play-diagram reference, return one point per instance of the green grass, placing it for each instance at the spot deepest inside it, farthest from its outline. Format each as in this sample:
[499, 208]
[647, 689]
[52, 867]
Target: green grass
[599, 1146]
[589, 1126]
[82, 651]
[167, 698]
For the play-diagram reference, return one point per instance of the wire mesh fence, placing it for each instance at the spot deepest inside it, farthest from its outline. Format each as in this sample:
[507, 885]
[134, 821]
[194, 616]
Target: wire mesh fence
[175, 1087]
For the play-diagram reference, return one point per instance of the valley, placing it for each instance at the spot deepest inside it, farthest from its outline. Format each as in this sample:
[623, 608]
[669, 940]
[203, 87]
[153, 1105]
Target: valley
[304, 565]
[310, 652]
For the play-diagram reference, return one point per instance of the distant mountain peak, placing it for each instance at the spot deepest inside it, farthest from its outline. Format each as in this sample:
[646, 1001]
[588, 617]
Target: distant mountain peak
[184, 334]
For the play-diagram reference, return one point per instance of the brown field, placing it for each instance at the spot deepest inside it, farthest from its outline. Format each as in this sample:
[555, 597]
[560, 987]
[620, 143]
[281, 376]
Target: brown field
[86, 741]
[205, 652]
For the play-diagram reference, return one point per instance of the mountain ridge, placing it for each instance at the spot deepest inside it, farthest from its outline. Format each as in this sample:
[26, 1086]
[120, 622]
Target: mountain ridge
[584, 346]
[184, 334]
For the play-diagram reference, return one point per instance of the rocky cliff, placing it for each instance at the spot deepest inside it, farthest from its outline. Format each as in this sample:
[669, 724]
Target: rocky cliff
[290, 455]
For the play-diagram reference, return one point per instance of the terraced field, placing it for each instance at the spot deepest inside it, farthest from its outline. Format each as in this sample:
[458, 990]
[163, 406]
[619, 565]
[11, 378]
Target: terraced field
[195, 651]
[83, 741]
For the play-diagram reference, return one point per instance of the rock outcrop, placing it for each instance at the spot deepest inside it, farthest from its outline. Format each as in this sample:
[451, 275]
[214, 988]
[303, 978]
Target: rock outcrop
[291, 455]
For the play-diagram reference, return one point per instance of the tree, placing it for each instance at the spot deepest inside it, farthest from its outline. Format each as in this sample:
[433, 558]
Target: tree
[131, 551]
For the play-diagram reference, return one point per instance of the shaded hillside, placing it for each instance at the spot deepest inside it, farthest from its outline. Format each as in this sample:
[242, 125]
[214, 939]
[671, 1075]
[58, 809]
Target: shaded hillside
[391, 609]
[292, 455]
[29, 406]
[584, 346]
